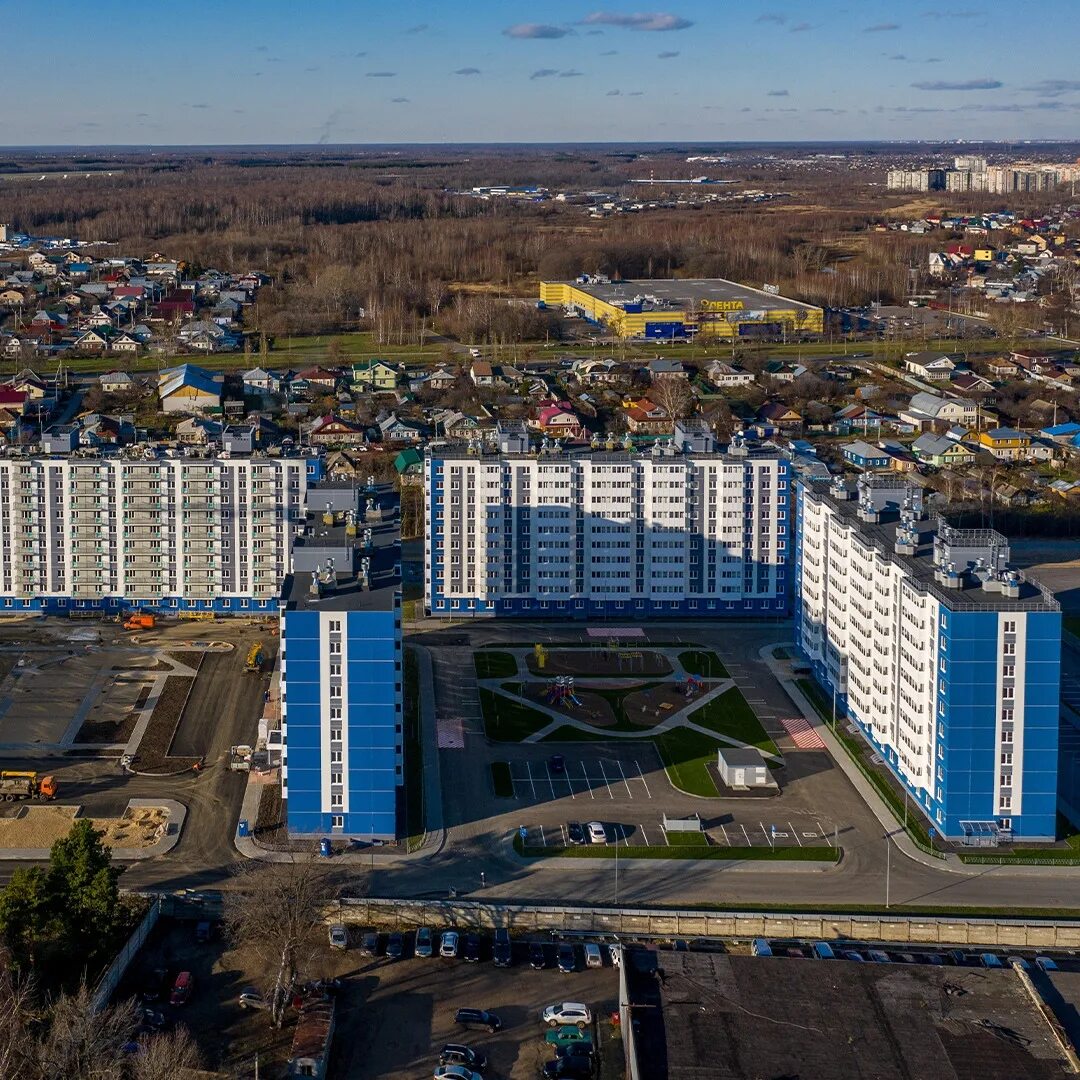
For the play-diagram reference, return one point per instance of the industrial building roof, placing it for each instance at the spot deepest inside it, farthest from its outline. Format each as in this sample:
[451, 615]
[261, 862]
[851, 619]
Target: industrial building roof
[714, 1016]
[682, 293]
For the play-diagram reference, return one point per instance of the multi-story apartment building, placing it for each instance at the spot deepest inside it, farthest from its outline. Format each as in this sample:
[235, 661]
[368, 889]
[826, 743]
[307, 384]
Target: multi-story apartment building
[341, 667]
[163, 533]
[681, 529]
[948, 661]
[915, 179]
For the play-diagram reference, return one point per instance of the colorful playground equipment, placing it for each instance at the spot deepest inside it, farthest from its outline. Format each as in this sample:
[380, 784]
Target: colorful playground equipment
[560, 691]
[693, 687]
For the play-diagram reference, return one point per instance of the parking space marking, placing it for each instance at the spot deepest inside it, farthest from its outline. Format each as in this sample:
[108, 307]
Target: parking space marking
[585, 777]
[528, 769]
[566, 777]
[644, 836]
[749, 843]
[767, 836]
[543, 838]
[564, 840]
[551, 782]
[724, 831]
[648, 793]
[792, 828]
[623, 775]
[606, 784]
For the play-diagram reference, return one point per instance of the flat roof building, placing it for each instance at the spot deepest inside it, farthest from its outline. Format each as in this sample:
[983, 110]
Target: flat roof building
[682, 308]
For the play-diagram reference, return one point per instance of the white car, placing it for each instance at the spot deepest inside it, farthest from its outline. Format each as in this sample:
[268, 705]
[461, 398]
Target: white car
[567, 1012]
[449, 945]
[455, 1072]
[597, 832]
[339, 937]
[615, 952]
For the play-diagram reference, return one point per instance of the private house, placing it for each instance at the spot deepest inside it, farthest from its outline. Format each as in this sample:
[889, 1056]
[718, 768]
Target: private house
[442, 378]
[932, 366]
[116, 382]
[857, 418]
[30, 383]
[188, 389]
[558, 420]
[940, 450]
[779, 415]
[260, 379]
[331, 430]
[663, 368]
[927, 409]
[722, 375]
[198, 431]
[1063, 434]
[394, 429]
[482, 374]
[1006, 444]
[346, 465]
[319, 379]
[864, 456]
[645, 417]
[599, 371]
[782, 371]
[376, 375]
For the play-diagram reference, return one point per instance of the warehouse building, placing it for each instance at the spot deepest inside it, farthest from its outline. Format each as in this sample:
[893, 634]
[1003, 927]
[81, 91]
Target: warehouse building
[341, 667]
[680, 309]
[684, 528]
[947, 660]
[167, 534]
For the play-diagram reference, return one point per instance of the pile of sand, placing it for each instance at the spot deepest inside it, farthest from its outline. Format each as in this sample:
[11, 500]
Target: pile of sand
[42, 826]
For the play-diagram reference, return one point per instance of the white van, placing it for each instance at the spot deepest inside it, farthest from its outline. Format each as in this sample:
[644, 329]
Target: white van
[592, 955]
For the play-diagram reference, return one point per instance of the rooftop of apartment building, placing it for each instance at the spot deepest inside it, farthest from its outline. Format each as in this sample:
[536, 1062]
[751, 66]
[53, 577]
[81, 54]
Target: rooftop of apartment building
[965, 569]
[715, 1016]
[348, 555]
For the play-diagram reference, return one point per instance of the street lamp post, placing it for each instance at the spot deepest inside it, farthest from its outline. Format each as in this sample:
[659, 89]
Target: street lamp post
[888, 866]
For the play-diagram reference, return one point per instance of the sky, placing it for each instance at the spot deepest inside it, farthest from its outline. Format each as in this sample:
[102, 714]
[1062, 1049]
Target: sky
[354, 71]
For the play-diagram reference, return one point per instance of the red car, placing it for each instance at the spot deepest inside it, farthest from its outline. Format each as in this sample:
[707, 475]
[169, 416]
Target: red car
[181, 990]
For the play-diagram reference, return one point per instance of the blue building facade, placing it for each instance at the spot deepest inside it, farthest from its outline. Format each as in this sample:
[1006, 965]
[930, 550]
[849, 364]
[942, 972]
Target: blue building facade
[948, 661]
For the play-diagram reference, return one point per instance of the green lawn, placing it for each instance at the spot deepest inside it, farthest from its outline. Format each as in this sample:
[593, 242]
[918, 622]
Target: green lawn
[573, 734]
[730, 715]
[501, 780]
[495, 665]
[414, 754]
[509, 721]
[687, 839]
[705, 664]
[685, 754]
[732, 854]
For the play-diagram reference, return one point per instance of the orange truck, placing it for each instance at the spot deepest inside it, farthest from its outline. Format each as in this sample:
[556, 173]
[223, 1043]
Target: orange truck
[140, 622]
[26, 785]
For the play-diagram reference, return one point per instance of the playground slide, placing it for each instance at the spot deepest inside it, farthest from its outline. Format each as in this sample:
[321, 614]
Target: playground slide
[573, 700]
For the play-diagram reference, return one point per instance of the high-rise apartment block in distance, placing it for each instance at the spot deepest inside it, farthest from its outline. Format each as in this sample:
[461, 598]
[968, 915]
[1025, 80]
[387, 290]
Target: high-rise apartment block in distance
[685, 528]
[948, 661]
[341, 667]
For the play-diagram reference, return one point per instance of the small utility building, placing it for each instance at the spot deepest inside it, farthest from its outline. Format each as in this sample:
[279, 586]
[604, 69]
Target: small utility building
[743, 767]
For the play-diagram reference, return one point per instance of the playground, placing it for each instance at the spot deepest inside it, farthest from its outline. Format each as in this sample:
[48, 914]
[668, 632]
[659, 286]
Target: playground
[601, 658]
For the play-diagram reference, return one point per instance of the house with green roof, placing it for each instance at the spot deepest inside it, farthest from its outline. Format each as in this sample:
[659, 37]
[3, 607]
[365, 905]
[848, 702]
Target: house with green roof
[374, 374]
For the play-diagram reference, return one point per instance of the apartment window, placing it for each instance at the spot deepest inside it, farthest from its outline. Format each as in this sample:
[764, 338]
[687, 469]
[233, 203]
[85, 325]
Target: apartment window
[335, 691]
[1005, 802]
[1006, 779]
[335, 669]
[1007, 736]
[335, 778]
[1007, 715]
[1007, 692]
[335, 734]
[337, 802]
[1005, 824]
[335, 648]
[335, 626]
[335, 712]
[1009, 648]
[1010, 626]
[1006, 758]
[335, 757]
[337, 821]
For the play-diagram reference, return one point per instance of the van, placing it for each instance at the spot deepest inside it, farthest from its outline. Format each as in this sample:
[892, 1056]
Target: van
[181, 990]
[760, 947]
[593, 958]
[823, 951]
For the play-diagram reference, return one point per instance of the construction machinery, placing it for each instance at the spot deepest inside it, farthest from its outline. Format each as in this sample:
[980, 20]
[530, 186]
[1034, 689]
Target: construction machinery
[26, 785]
[140, 621]
[254, 657]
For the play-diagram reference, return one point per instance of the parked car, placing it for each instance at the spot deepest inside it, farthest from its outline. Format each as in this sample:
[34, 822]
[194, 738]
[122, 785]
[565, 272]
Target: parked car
[934, 959]
[1020, 962]
[537, 956]
[575, 833]
[395, 946]
[503, 953]
[569, 1035]
[472, 948]
[339, 937]
[369, 946]
[567, 958]
[593, 959]
[157, 985]
[569, 1068]
[876, 956]
[597, 832]
[478, 1018]
[823, 951]
[1044, 963]
[460, 1054]
[760, 947]
[854, 957]
[181, 990]
[567, 1012]
[615, 952]
[455, 1072]
[449, 945]
[557, 763]
[252, 998]
[990, 960]
[423, 942]
[202, 931]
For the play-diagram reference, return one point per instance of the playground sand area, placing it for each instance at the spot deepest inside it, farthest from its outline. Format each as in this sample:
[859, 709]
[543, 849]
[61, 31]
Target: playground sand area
[41, 826]
[592, 708]
[600, 661]
[652, 705]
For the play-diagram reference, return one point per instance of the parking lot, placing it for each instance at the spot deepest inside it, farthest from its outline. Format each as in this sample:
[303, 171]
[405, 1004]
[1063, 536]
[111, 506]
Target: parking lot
[587, 777]
[392, 1017]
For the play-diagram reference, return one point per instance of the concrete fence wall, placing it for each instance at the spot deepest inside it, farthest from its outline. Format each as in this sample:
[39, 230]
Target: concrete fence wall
[630, 922]
[108, 983]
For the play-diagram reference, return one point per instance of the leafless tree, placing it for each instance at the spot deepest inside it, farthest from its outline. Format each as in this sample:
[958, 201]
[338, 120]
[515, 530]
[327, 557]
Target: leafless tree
[277, 909]
[673, 395]
[83, 1044]
[17, 1014]
[165, 1056]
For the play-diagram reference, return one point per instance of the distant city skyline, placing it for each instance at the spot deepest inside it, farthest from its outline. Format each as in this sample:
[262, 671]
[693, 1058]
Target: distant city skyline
[272, 72]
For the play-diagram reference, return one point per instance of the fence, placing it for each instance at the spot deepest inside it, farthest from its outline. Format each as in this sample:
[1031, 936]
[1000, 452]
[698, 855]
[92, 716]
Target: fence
[945, 931]
[108, 982]
[682, 824]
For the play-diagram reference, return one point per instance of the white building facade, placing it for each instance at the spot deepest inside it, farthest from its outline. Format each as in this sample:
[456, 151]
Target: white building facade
[680, 529]
[165, 533]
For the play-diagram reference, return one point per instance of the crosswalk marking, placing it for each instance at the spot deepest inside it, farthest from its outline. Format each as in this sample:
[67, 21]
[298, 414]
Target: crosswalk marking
[802, 734]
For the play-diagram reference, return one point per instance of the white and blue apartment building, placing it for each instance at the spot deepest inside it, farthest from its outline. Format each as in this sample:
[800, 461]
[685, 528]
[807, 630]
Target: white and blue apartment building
[684, 528]
[946, 659]
[341, 667]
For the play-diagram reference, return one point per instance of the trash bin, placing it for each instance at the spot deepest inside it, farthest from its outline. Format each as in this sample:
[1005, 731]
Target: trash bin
[242, 828]
[324, 848]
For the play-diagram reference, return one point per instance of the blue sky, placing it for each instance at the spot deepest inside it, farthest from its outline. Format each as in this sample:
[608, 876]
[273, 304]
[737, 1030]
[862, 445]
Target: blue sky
[279, 71]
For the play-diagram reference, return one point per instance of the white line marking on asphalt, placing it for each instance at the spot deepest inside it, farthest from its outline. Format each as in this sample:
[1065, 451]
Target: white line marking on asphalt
[528, 768]
[643, 836]
[749, 842]
[564, 840]
[551, 782]
[642, 775]
[543, 838]
[606, 784]
[585, 777]
[566, 777]
[792, 828]
[623, 775]
[767, 836]
[724, 831]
